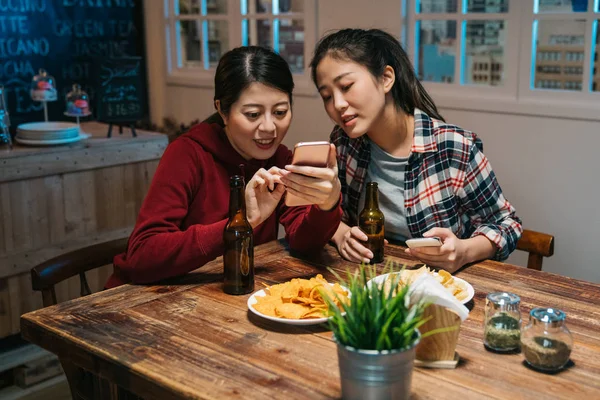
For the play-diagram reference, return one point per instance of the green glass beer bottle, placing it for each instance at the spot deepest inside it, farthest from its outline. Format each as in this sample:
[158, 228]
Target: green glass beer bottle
[238, 258]
[371, 221]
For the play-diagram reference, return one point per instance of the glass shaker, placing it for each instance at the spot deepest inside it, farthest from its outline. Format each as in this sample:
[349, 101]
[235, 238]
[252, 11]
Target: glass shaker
[546, 341]
[502, 324]
[5, 139]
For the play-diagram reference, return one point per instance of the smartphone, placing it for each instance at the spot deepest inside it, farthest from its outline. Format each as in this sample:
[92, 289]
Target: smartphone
[424, 242]
[311, 154]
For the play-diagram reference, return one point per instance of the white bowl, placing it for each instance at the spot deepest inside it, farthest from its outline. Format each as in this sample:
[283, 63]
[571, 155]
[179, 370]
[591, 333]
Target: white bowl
[380, 279]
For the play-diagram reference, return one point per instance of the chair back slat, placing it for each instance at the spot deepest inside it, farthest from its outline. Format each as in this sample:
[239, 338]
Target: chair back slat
[49, 297]
[538, 245]
[85, 288]
[534, 261]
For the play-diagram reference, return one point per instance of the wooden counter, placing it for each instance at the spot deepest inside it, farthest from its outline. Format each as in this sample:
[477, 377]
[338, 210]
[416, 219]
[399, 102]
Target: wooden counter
[58, 198]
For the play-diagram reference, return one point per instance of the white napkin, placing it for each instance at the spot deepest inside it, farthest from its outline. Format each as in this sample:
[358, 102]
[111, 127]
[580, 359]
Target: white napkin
[427, 286]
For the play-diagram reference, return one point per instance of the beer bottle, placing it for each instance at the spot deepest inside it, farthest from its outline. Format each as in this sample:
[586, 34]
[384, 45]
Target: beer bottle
[238, 258]
[371, 221]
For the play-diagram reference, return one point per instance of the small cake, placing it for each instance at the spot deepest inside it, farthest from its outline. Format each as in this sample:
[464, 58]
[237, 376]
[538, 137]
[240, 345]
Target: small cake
[43, 87]
[78, 102]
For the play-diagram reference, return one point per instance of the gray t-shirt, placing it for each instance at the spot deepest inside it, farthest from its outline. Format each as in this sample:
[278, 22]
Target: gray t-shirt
[388, 172]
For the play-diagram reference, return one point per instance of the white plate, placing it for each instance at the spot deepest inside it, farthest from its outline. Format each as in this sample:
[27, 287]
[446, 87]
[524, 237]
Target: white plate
[380, 279]
[52, 142]
[47, 126]
[45, 136]
[309, 321]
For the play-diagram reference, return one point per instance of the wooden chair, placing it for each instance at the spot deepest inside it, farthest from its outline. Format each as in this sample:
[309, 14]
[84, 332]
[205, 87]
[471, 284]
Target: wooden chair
[46, 275]
[538, 245]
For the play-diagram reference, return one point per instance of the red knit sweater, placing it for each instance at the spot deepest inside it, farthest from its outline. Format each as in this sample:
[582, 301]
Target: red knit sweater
[181, 222]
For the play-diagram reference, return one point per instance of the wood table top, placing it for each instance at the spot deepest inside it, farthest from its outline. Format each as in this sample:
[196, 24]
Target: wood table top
[186, 338]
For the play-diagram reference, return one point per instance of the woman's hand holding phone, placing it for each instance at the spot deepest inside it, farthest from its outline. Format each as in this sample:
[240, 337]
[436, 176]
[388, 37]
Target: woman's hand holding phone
[448, 256]
[263, 193]
[310, 184]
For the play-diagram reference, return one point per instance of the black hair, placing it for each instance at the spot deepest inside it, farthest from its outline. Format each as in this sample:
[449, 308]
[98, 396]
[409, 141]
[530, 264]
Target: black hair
[376, 49]
[242, 66]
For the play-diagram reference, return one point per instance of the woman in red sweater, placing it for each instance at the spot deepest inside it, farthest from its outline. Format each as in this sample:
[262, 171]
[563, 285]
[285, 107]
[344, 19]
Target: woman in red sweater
[181, 222]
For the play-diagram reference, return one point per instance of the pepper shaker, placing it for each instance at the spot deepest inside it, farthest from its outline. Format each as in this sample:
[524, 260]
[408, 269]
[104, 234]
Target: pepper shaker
[502, 324]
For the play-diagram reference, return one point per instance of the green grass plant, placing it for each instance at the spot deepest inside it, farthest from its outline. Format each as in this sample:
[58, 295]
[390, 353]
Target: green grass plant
[376, 318]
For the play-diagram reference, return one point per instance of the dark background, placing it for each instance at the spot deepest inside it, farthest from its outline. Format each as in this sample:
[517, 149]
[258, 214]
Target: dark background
[68, 38]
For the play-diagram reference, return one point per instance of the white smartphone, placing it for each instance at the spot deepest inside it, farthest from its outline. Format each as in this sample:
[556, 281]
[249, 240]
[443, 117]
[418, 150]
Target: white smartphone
[424, 242]
[312, 154]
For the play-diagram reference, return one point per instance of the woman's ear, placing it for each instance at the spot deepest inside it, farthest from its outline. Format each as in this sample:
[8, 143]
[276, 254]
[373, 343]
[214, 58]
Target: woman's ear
[221, 113]
[388, 78]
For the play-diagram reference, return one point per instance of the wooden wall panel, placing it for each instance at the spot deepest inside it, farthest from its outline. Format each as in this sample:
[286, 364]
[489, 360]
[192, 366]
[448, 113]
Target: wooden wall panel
[110, 212]
[79, 194]
[5, 310]
[5, 220]
[18, 197]
[38, 213]
[53, 209]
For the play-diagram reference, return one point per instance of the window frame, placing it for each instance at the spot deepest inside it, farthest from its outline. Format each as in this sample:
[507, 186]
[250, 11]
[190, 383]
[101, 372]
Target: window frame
[204, 78]
[517, 95]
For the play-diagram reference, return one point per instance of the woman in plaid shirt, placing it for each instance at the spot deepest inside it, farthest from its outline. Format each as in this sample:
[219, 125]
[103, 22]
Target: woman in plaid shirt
[433, 177]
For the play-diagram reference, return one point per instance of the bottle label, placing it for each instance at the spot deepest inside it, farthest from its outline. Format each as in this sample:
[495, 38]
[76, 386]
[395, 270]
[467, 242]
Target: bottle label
[245, 257]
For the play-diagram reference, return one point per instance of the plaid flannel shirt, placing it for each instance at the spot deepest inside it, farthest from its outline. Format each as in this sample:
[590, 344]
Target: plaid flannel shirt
[448, 183]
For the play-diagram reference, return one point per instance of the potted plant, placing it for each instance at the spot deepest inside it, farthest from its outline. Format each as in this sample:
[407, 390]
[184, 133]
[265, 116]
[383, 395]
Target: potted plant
[376, 337]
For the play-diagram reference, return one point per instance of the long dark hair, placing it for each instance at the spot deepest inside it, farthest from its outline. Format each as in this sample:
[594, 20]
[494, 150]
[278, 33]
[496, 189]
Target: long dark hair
[375, 49]
[240, 67]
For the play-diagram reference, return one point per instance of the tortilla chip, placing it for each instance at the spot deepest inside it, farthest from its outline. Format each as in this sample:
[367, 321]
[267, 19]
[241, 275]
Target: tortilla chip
[299, 298]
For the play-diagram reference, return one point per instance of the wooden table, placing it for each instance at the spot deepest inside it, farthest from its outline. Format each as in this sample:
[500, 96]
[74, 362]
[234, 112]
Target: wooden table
[55, 199]
[188, 339]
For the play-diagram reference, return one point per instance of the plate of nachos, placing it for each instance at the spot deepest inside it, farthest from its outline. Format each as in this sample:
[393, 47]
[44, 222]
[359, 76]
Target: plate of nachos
[459, 288]
[298, 301]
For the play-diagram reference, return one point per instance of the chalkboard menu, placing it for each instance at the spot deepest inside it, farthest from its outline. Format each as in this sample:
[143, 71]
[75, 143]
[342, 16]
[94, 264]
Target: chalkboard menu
[120, 95]
[67, 38]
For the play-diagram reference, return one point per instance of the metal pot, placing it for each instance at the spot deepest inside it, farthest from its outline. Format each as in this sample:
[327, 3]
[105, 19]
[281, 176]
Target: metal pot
[376, 375]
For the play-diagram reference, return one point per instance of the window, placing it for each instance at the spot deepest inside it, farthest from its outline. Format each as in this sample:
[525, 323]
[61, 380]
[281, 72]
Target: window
[201, 32]
[569, 29]
[276, 24]
[457, 38]
[551, 45]
[198, 32]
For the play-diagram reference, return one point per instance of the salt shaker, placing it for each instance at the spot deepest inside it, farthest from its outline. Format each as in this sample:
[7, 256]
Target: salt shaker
[546, 341]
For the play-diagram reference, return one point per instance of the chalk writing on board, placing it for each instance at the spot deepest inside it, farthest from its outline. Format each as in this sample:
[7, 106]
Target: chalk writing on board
[108, 74]
[69, 39]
